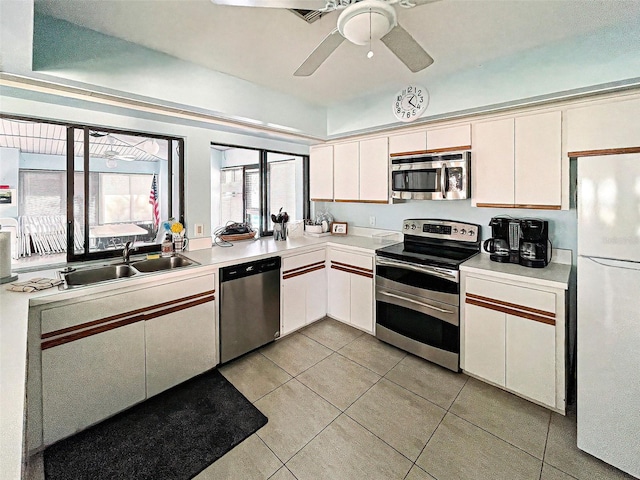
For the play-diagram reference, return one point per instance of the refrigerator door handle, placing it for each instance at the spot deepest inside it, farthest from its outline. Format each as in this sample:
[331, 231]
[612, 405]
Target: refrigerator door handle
[615, 263]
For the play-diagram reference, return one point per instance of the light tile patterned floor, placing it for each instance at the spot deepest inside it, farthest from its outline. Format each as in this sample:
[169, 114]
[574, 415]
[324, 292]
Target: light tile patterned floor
[343, 406]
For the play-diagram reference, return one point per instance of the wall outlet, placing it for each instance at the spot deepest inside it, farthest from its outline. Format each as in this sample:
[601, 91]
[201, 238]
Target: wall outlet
[198, 229]
[372, 221]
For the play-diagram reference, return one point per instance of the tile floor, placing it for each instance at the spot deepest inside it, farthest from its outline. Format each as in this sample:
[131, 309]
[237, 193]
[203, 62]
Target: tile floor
[342, 405]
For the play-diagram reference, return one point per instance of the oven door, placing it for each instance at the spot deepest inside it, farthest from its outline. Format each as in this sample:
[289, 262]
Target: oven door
[417, 310]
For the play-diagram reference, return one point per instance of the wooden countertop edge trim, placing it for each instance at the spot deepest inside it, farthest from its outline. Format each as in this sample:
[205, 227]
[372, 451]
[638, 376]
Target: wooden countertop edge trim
[82, 326]
[604, 151]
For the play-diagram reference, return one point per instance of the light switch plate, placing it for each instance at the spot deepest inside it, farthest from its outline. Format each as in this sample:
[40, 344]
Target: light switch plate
[198, 229]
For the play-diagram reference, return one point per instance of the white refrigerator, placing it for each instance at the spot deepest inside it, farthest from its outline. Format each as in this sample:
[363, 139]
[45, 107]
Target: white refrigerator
[608, 314]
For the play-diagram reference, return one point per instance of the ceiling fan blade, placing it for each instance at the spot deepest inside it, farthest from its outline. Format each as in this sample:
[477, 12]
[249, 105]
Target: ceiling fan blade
[320, 54]
[295, 4]
[405, 47]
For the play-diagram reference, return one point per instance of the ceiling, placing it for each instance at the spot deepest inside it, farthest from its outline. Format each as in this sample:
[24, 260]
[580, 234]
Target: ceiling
[266, 45]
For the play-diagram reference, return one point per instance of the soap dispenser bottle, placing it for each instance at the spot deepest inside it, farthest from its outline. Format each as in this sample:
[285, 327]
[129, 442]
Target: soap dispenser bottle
[167, 246]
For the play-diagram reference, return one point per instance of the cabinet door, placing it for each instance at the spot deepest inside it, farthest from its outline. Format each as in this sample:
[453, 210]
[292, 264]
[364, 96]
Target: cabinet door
[443, 139]
[339, 295]
[603, 126]
[294, 301]
[321, 173]
[484, 343]
[92, 378]
[362, 302]
[531, 359]
[408, 142]
[179, 345]
[374, 170]
[538, 154]
[316, 294]
[346, 171]
[493, 163]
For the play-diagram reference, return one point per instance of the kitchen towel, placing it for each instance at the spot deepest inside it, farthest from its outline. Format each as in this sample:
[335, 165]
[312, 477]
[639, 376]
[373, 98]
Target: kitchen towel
[34, 284]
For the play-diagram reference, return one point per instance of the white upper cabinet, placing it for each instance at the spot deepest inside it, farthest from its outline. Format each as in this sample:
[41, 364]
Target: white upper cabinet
[492, 163]
[346, 158]
[408, 142]
[374, 170]
[517, 162]
[603, 126]
[538, 167]
[449, 138]
[321, 173]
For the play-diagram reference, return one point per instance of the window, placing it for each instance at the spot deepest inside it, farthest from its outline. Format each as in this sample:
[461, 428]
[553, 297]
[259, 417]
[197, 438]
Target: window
[256, 183]
[97, 181]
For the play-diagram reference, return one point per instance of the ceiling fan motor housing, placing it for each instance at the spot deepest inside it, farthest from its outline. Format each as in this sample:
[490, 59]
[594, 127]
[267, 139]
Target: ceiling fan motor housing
[366, 20]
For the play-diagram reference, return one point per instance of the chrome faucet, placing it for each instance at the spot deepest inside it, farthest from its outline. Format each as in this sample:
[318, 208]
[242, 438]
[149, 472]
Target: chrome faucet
[126, 252]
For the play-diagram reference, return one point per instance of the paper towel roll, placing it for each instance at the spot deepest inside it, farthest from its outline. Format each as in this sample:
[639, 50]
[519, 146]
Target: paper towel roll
[5, 254]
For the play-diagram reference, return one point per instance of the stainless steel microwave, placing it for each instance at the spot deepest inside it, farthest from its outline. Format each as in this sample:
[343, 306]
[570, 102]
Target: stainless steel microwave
[445, 176]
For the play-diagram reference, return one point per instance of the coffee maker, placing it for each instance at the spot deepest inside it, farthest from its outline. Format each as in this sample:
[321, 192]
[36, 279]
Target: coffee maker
[535, 247]
[504, 244]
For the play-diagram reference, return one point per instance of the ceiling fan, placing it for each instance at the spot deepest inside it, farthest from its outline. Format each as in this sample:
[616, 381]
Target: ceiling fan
[360, 22]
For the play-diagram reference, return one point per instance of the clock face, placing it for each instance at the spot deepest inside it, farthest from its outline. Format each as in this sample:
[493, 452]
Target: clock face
[410, 102]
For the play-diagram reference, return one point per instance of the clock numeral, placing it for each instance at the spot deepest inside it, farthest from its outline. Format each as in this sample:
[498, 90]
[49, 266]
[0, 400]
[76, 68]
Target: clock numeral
[399, 98]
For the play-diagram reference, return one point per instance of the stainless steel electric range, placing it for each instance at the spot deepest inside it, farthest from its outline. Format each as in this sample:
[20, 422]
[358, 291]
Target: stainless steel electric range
[418, 288]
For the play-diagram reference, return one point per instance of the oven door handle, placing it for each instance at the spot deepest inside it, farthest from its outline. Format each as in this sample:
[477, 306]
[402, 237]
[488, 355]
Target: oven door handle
[451, 275]
[443, 181]
[400, 297]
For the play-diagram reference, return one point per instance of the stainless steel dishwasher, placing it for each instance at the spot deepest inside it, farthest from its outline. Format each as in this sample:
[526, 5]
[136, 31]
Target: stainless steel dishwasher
[249, 306]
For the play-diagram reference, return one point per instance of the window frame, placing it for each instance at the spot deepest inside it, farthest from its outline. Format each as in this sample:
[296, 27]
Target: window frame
[175, 144]
[263, 175]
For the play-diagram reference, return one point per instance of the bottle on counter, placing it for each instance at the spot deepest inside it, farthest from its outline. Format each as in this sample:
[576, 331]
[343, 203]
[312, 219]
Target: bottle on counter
[167, 246]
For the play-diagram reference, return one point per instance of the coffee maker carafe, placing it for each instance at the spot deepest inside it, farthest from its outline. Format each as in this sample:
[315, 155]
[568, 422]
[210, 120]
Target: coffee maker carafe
[535, 247]
[504, 244]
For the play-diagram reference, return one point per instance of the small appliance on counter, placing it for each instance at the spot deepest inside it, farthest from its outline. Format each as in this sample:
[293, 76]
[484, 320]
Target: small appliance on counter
[524, 241]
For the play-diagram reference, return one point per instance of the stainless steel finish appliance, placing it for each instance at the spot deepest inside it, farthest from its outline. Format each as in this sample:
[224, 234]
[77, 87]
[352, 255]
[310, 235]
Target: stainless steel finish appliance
[443, 176]
[418, 289]
[249, 306]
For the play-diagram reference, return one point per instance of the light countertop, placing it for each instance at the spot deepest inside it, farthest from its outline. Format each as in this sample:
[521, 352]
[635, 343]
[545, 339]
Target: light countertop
[14, 309]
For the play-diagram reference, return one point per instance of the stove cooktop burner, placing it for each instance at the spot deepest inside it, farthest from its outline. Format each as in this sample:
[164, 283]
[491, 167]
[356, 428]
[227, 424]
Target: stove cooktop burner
[440, 243]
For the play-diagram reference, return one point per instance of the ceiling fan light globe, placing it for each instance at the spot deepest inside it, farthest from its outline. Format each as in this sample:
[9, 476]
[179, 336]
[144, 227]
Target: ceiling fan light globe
[366, 21]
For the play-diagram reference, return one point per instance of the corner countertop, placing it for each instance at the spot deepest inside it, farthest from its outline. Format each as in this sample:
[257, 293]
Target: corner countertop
[14, 311]
[554, 275]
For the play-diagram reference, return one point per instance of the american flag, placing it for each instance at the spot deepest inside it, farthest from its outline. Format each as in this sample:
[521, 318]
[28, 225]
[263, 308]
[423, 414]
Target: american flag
[153, 200]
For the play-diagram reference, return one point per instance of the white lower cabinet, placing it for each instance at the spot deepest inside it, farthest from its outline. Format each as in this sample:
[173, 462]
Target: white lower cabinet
[90, 379]
[304, 290]
[513, 337]
[350, 298]
[100, 354]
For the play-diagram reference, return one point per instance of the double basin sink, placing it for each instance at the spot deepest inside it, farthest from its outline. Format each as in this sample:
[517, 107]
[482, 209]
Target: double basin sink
[103, 273]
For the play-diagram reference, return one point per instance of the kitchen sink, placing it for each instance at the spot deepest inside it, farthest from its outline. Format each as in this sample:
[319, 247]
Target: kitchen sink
[98, 274]
[90, 275]
[163, 263]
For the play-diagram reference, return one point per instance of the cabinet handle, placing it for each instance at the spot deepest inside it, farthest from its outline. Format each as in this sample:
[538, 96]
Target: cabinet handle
[400, 297]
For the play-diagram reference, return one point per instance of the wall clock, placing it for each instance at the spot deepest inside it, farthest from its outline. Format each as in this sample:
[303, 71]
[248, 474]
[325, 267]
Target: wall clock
[410, 102]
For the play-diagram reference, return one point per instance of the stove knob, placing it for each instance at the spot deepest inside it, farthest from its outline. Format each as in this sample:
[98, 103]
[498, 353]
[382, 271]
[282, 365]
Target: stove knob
[454, 230]
[413, 226]
[471, 233]
[406, 226]
[462, 231]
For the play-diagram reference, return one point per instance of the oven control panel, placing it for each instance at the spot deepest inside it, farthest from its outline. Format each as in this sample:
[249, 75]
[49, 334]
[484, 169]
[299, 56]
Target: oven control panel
[443, 229]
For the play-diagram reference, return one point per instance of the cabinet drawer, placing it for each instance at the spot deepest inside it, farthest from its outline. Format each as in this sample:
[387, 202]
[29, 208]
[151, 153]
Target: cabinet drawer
[298, 264]
[340, 257]
[511, 297]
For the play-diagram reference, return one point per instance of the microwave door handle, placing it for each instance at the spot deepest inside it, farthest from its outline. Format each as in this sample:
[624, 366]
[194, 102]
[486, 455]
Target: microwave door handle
[443, 181]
